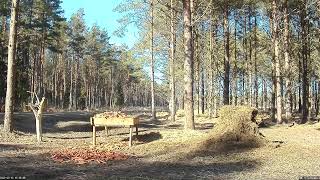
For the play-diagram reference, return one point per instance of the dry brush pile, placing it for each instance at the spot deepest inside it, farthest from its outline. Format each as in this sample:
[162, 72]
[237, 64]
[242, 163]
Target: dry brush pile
[235, 128]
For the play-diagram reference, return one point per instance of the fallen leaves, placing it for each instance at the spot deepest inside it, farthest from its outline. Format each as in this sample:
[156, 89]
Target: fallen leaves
[83, 156]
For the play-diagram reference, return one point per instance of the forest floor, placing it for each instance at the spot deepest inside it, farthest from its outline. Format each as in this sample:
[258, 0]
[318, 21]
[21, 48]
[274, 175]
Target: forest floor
[162, 150]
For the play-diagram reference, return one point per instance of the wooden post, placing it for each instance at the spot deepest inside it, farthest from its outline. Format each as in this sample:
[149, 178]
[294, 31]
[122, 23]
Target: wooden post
[93, 135]
[107, 130]
[137, 131]
[130, 137]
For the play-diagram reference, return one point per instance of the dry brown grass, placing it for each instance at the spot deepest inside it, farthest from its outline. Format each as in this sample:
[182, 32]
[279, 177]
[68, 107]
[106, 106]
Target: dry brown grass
[164, 150]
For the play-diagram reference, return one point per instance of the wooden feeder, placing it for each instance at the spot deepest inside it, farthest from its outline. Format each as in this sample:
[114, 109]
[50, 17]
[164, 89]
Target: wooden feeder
[129, 122]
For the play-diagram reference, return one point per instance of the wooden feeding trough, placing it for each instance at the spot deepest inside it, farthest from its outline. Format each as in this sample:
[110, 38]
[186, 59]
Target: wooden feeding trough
[114, 121]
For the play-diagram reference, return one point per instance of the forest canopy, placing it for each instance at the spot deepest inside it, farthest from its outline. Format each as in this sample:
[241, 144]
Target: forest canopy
[196, 54]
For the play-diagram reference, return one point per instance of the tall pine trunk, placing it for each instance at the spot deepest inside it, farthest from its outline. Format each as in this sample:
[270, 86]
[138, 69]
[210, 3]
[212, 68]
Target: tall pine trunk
[71, 86]
[235, 68]
[172, 63]
[213, 83]
[188, 66]
[202, 93]
[226, 80]
[304, 54]
[287, 62]
[256, 83]
[9, 104]
[277, 61]
[153, 108]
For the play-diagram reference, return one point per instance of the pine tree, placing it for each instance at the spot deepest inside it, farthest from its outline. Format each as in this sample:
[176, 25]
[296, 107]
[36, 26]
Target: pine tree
[9, 104]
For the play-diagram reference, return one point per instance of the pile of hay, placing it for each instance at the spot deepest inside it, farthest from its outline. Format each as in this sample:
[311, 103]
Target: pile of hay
[110, 115]
[235, 128]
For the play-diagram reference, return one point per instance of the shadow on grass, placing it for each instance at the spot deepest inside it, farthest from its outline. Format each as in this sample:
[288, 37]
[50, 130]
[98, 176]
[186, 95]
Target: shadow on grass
[204, 126]
[181, 170]
[40, 166]
[145, 138]
[15, 147]
[71, 121]
[61, 122]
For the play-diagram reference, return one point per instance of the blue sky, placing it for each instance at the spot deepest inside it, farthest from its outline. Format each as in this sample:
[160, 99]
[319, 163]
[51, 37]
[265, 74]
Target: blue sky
[101, 12]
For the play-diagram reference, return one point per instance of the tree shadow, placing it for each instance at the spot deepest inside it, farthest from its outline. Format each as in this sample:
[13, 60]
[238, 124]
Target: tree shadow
[40, 166]
[78, 122]
[78, 137]
[174, 126]
[204, 126]
[15, 147]
[184, 170]
[145, 138]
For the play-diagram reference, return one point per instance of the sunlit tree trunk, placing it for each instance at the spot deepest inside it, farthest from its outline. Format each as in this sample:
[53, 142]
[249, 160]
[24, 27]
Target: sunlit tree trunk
[265, 95]
[213, 95]
[197, 68]
[226, 80]
[287, 62]
[245, 89]
[256, 83]
[304, 54]
[172, 62]
[249, 64]
[153, 108]
[188, 66]
[277, 61]
[202, 98]
[71, 86]
[273, 90]
[235, 68]
[9, 104]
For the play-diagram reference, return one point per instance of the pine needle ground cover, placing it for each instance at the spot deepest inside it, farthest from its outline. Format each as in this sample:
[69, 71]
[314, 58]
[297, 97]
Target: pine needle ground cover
[83, 156]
